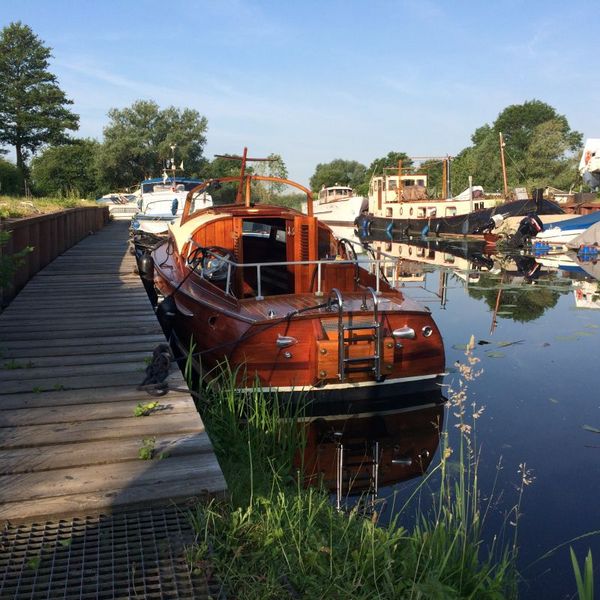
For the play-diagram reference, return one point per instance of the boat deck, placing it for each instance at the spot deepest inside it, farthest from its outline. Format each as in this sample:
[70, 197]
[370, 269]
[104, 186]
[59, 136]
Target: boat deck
[74, 346]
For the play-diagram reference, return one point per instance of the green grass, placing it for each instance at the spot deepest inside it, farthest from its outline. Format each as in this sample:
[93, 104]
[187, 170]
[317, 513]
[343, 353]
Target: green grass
[18, 207]
[585, 579]
[275, 539]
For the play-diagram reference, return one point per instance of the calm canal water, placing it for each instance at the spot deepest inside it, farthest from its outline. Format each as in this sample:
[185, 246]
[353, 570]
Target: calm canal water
[536, 325]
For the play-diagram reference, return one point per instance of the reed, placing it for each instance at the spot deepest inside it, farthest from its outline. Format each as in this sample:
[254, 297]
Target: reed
[275, 539]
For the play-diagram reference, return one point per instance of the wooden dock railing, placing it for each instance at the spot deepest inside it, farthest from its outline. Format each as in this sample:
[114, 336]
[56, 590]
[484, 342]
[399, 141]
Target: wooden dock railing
[48, 236]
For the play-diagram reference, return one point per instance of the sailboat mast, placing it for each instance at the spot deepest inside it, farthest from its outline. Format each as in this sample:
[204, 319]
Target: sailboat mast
[444, 178]
[503, 166]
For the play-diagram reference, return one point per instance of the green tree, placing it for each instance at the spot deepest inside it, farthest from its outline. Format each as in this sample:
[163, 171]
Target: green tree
[274, 167]
[138, 142]
[9, 178]
[338, 171]
[539, 150]
[434, 170]
[67, 170]
[32, 106]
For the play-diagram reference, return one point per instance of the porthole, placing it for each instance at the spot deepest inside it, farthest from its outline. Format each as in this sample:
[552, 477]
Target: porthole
[427, 330]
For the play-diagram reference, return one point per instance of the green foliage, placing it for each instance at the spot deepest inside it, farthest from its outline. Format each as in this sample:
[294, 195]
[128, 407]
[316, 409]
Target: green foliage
[527, 302]
[434, 170]
[10, 179]
[32, 106]
[278, 540]
[255, 436]
[143, 410]
[539, 148]
[585, 581]
[138, 140]
[9, 263]
[338, 171]
[69, 170]
[148, 448]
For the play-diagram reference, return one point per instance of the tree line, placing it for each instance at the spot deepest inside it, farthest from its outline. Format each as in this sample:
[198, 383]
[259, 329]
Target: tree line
[139, 141]
[539, 146]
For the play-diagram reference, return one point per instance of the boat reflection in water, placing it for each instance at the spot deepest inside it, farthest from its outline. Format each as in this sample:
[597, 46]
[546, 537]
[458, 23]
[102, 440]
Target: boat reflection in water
[360, 453]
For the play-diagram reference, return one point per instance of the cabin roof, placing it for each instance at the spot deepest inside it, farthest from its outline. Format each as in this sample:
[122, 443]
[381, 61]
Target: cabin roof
[182, 233]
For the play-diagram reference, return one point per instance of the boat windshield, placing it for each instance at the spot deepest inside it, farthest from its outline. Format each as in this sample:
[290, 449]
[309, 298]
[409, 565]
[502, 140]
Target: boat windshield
[261, 192]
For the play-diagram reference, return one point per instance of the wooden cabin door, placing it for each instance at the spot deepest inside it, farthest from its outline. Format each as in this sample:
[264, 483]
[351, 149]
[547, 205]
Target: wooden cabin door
[305, 247]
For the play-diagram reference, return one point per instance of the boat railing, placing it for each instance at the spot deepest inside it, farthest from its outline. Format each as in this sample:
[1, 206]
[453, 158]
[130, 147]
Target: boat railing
[226, 267]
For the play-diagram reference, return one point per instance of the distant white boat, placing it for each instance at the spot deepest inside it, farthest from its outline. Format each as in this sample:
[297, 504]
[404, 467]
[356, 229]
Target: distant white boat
[589, 165]
[161, 204]
[120, 206]
[338, 207]
[563, 233]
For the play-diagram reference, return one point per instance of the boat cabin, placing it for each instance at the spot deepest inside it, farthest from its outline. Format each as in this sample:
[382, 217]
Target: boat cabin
[263, 250]
[335, 193]
[394, 188]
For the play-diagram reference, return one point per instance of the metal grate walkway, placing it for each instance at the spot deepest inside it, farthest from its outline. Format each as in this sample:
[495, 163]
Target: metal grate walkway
[140, 554]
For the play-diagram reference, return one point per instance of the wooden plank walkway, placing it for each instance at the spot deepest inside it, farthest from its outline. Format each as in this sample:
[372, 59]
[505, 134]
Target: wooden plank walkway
[73, 348]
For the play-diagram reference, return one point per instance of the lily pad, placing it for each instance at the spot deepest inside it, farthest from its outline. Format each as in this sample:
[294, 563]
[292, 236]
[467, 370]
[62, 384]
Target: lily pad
[493, 354]
[592, 429]
[505, 344]
[460, 346]
[592, 326]
[565, 338]
[553, 400]
[580, 333]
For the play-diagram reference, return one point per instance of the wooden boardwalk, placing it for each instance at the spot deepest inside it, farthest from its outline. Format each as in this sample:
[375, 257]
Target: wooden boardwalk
[73, 348]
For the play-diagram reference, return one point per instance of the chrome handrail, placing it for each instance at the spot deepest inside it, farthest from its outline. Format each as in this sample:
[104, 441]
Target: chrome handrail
[363, 262]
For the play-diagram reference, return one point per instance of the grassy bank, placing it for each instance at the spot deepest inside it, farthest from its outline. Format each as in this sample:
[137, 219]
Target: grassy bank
[19, 207]
[275, 539]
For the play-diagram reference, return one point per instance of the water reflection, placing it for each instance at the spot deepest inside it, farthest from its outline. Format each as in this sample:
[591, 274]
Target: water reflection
[358, 454]
[518, 286]
[538, 386]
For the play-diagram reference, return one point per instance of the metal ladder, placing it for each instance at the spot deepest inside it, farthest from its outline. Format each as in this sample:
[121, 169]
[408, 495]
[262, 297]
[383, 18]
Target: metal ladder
[342, 464]
[344, 361]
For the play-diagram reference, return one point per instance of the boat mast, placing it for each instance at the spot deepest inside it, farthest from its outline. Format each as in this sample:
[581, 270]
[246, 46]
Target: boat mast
[399, 188]
[503, 165]
[444, 178]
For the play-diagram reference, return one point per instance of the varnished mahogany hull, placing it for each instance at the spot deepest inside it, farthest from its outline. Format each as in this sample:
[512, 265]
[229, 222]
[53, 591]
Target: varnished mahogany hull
[307, 370]
[408, 439]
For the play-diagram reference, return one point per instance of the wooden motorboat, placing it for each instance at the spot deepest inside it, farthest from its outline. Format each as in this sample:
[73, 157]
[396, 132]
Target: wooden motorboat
[270, 289]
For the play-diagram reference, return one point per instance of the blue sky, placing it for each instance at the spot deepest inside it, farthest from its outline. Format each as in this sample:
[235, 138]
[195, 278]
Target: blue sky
[318, 80]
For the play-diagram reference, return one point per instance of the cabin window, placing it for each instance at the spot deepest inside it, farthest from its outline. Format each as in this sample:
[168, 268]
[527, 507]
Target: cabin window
[421, 212]
[450, 211]
[389, 212]
[409, 182]
[392, 184]
[389, 272]
[478, 205]
[421, 182]
[431, 211]
[388, 246]
[421, 252]
[449, 259]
